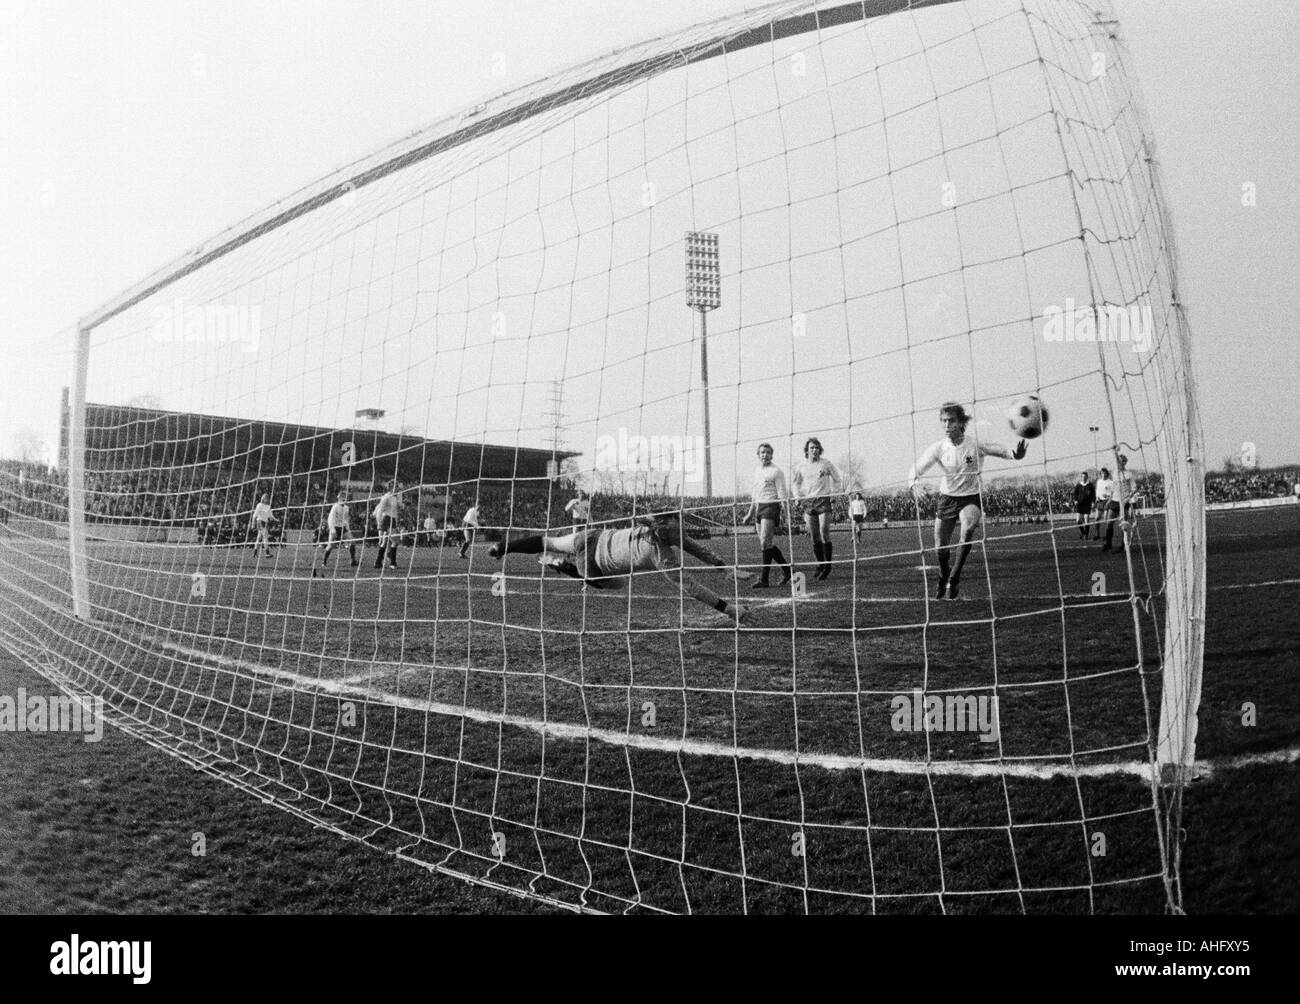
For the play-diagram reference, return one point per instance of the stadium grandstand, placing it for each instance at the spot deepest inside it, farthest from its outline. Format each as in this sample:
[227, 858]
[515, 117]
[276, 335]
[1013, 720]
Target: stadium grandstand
[149, 467]
[171, 474]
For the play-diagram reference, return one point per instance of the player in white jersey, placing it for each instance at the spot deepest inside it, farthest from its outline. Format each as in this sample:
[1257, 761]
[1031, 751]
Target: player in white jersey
[601, 557]
[858, 513]
[1105, 494]
[816, 482]
[1105, 490]
[1126, 487]
[960, 455]
[768, 497]
[469, 527]
[579, 510]
[339, 525]
[386, 519]
[1120, 502]
[262, 520]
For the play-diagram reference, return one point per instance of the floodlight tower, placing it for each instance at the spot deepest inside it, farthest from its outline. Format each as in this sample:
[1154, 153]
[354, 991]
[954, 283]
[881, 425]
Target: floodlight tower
[704, 293]
[554, 416]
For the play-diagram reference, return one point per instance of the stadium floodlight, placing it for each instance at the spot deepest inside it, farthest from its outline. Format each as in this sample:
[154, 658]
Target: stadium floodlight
[704, 293]
[1094, 429]
[806, 137]
[703, 272]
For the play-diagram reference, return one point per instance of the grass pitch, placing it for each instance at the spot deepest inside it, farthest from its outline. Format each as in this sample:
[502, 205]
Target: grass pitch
[632, 750]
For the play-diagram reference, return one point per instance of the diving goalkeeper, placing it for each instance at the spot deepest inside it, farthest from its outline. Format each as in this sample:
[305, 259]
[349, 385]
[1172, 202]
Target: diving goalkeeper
[600, 557]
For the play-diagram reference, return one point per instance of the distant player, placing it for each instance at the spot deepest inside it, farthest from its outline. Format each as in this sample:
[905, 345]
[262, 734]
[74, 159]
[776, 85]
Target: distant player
[768, 497]
[1085, 496]
[386, 519]
[262, 520]
[960, 455]
[1126, 487]
[1121, 502]
[816, 482]
[1105, 497]
[858, 513]
[600, 557]
[469, 527]
[339, 526]
[579, 510]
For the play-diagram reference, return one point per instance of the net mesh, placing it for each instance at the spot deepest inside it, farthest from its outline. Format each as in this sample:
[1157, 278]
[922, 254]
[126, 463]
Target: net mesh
[914, 204]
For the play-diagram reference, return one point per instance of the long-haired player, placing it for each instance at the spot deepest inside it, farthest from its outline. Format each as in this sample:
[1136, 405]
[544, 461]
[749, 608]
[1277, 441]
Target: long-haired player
[816, 481]
[960, 455]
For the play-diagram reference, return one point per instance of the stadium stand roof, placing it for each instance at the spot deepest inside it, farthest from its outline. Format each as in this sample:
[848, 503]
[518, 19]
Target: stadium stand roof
[126, 436]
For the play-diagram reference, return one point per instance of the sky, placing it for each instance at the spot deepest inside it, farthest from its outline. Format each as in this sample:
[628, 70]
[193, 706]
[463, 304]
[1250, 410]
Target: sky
[134, 133]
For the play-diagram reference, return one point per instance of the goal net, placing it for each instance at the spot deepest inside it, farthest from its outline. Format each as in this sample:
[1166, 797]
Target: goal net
[588, 302]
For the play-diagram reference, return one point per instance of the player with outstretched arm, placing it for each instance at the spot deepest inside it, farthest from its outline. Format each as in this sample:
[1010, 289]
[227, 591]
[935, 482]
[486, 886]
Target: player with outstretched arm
[579, 510]
[600, 557]
[960, 455]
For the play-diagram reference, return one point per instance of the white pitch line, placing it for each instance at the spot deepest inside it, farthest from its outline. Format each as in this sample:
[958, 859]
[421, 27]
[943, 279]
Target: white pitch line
[835, 594]
[696, 747]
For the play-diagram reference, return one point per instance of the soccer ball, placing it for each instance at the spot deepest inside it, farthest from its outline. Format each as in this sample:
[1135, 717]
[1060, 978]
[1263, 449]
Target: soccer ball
[1028, 417]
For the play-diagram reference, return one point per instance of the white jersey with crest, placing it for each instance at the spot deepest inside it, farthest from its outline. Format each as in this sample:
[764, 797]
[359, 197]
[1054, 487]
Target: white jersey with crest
[961, 463]
[815, 478]
[769, 485]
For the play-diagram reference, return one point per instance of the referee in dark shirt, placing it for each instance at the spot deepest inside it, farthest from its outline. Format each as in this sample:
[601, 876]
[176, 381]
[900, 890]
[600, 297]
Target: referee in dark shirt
[1085, 494]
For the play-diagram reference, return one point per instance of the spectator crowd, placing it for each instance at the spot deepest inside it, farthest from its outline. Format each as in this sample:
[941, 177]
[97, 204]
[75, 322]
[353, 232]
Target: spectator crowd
[216, 504]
